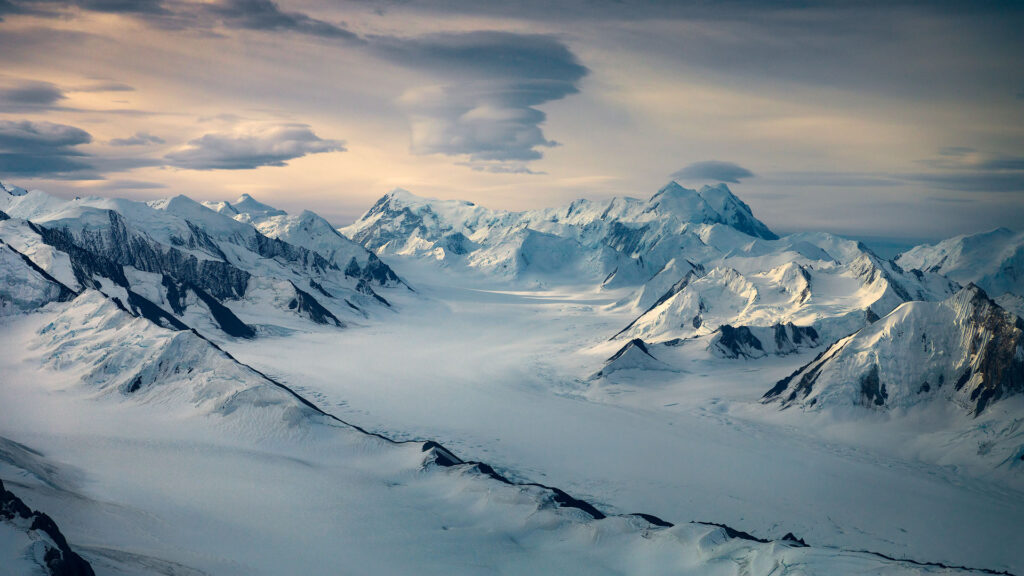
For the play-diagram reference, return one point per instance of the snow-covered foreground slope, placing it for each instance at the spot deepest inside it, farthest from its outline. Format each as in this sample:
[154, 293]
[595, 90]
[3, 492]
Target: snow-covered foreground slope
[161, 454]
[992, 260]
[501, 376]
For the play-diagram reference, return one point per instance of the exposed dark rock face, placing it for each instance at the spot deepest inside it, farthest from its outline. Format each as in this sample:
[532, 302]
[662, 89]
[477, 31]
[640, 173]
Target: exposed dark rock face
[231, 325]
[872, 390]
[305, 304]
[319, 288]
[870, 317]
[60, 560]
[363, 287]
[140, 306]
[103, 252]
[790, 338]
[634, 343]
[676, 288]
[779, 339]
[457, 243]
[177, 293]
[996, 342]
[738, 342]
[626, 239]
[807, 376]
[374, 271]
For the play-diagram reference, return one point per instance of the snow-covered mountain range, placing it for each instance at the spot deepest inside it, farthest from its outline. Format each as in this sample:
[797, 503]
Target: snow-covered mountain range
[103, 354]
[701, 271]
[184, 265]
[623, 241]
[696, 260]
[122, 324]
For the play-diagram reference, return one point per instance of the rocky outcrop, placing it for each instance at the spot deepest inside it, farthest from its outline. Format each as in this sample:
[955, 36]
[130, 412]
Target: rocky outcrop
[47, 547]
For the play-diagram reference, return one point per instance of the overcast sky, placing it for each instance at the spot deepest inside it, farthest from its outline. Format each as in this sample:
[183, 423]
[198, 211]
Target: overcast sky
[889, 120]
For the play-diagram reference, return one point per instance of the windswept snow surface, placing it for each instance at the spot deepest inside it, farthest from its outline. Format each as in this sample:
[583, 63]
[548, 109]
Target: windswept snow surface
[501, 376]
[200, 465]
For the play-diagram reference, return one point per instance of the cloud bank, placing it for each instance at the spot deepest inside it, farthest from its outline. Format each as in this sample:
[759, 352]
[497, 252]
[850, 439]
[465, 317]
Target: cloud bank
[29, 96]
[263, 146]
[713, 171]
[493, 82]
[41, 148]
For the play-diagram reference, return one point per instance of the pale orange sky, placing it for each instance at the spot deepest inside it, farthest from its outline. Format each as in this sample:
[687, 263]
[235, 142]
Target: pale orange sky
[895, 121]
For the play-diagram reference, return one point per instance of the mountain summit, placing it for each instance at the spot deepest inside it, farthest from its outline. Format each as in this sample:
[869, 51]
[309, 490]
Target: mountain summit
[709, 205]
[622, 240]
[965, 349]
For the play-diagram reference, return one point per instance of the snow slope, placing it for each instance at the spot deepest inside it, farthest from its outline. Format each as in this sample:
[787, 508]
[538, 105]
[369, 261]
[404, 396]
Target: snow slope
[992, 260]
[312, 232]
[31, 543]
[965, 349]
[832, 298]
[178, 260]
[189, 462]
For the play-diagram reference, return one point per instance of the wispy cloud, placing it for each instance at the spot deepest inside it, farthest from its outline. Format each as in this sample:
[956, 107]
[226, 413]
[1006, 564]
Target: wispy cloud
[966, 169]
[267, 15]
[138, 139]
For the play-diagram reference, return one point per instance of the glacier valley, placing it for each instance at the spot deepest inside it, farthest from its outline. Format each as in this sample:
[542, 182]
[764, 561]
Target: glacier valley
[631, 386]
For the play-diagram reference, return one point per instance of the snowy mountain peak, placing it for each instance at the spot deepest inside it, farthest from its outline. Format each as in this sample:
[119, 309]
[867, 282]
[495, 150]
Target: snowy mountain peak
[246, 204]
[13, 190]
[709, 205]
[403, 196]
[635, 355]
[673, 190]
[177, 204]
[966, 349]
[993, 260]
